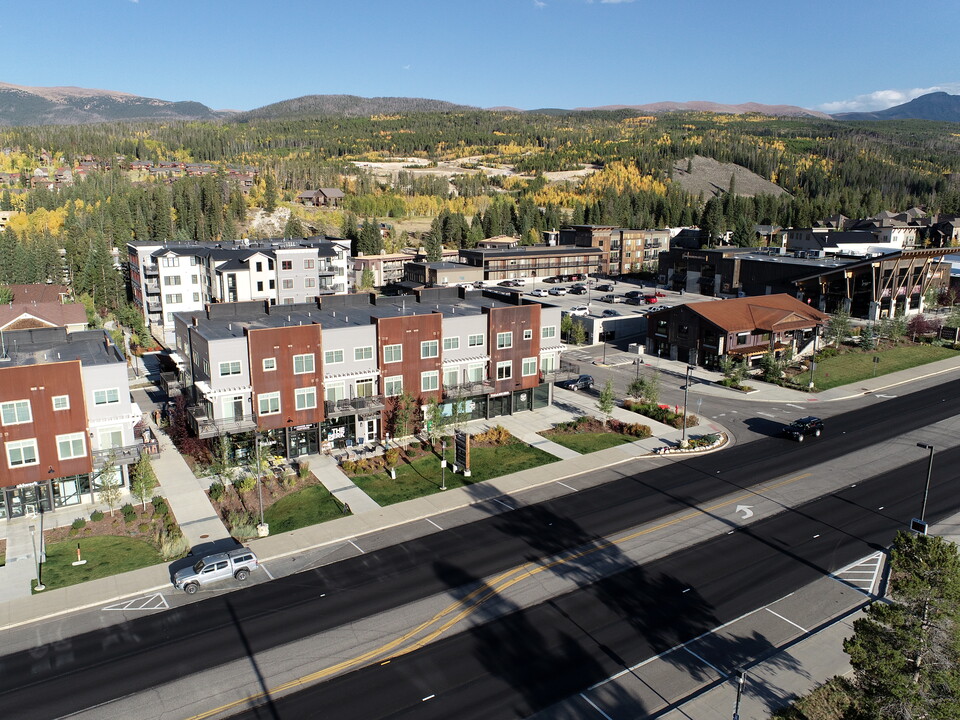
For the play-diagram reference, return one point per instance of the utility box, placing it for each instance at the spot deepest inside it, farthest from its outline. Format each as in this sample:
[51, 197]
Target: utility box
[635, 348]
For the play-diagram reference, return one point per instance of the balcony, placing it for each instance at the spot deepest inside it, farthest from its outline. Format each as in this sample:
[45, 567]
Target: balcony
[149, 270]
[353, 406]
[126, 455]
[205, 426]
[154, 306]
[481, 387]
[152, 288]
[171, 384]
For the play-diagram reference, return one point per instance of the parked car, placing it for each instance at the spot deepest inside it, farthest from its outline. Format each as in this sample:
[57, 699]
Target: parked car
[605, 287]
[579, 311]
[581, 382]
[510, 283]
[632, 294]
[238, 563]
[799, 429]
[611, 298]
[552, 280]
[558, 291]
[636, 300]
[578, 290]
[539, 292]
[611, 313]
[650, 299]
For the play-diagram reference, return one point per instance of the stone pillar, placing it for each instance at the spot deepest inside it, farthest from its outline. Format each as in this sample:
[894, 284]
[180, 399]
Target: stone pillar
[873, 314]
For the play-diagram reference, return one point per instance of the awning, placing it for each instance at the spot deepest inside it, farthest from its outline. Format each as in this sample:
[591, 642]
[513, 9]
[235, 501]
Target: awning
[472, 359]
[177, 359]
[204, 387]
[360, 374]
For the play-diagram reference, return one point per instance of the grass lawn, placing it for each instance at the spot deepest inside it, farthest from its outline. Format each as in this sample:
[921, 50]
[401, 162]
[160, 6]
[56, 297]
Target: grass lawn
[422, 476]
[105, 555]
[314, 504]
[585, 443]
[856, 366]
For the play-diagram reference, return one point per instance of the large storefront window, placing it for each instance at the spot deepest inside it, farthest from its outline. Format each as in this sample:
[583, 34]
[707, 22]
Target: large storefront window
[70, 490]
[338, 432]
[303, 440]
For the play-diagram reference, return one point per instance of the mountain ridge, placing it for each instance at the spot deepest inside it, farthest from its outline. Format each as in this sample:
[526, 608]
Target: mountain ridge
[935, 106]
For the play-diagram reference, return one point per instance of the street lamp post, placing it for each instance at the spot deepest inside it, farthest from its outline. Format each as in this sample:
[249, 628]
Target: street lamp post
[443, 464]
[33, 541]
[686, 387]
[926, 487]
[741, 679]
[262, 529]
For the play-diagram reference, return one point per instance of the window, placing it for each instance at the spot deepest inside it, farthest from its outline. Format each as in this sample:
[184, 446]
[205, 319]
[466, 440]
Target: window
[286, 264]
[195, 279]
[60, 402]
[196, 297]
[259, 285]
[171, 280]
[16, 412]
[170, 262]
[22, 452]
[71, 446]
[505, 370]
[288, 284]
[309, 282]
[475, 340]
[106, 397]
[334, 392]
[548, 363]
[259, 267]
[451, 378]
[475, 372]
[269, 403]
[393, 386]
[331, 357]
[528, 334]
[363, 353]
[306, 398]
[429, 349]
[270, 265]
[269, 364]
[174, 298]
[308, 264]
[451, 343]
[742, 338]
[303, 364]
[273, 284]
[230, 368]
[529, 367]
[504, 340]
[550, 331]
[392, 353]
[429, 380]
[111, 438]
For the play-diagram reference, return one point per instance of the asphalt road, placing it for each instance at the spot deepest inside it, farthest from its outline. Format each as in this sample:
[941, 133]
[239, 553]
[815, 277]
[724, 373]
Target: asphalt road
[520, 664]
[89, 669]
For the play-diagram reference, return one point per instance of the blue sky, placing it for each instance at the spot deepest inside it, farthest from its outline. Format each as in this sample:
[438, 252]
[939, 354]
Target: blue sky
[240, 54]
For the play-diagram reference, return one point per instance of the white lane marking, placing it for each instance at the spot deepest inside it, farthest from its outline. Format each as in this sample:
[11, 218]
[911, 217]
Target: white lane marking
[506, 505]
[356, 546]
[708, 664]
[428, 697]
[433, 523]
[787, 620]
[591, 704]
[566, 486]
[886, 396]
[269, 574]
[766, 414]
[798, 407]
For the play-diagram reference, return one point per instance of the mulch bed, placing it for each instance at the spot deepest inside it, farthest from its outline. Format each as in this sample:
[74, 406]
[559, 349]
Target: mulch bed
[249, 502]
[113, 525]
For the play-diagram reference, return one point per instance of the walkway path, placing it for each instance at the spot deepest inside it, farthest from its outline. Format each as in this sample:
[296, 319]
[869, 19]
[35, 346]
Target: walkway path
[340, 486]
[19, 574]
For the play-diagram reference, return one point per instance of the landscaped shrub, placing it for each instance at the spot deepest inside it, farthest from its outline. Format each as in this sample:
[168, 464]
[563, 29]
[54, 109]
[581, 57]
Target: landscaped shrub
[129, 514]
[661, 414]
[159, 505]
[289, 480]
[392, 457]
[96, 516]
[349, 467]
[497, 435]
[636, 430]
[144, 528]
[172, 543]
[414, 445]
[245, 484]
[303, 469]
[243, 525]
[78, 524]
[217, 491]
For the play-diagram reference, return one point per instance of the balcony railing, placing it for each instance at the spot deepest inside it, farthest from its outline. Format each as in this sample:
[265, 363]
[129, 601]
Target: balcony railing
[205, 426]
[126, 455]
[481, 387]
[154, 306]
[150, 269]
[152, 288]
[353, 406]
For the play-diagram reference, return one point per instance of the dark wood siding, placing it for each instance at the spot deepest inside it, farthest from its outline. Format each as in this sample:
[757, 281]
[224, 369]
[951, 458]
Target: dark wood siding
[283, 343]
[39, 384]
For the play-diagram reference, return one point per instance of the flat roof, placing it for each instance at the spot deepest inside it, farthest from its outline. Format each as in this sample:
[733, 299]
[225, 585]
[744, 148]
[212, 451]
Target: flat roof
[38, 346]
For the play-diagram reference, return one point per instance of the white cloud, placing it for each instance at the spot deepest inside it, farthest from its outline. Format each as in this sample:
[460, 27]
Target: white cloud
[883, 99]
[539, 4]
[405, 67]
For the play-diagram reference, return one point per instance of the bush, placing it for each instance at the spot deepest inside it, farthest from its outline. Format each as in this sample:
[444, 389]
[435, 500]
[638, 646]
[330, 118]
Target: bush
[497, 435]
[173, 545]
[288, 480]
[661, 414]
[217, 491]
[303, 469]
[349, 467]
[96, 516]
[144, 528]
[242, 525]
[129, 514]
[414, 445]
[245, 484]
[392, 457]
[159, 505]
[78, 524]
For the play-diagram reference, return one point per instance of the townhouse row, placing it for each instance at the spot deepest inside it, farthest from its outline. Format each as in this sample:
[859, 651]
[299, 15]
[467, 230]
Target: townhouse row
[167, 278]
[66, 416]
[321, 376]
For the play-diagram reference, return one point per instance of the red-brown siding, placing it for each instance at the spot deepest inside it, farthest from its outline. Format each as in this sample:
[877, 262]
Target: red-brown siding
[39, 384]
[514, 320]
[409, 331]
[283, 343]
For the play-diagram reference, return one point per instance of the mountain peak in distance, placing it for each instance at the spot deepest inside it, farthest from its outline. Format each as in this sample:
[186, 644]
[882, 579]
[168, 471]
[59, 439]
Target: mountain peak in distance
[935, 106]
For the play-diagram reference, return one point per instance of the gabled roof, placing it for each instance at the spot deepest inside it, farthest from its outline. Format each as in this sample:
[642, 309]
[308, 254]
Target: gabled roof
[770, 313]
[331, 192]
[18, 316]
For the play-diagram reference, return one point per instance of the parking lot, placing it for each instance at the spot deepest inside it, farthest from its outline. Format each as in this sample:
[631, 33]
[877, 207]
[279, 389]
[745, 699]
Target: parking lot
[594, 297]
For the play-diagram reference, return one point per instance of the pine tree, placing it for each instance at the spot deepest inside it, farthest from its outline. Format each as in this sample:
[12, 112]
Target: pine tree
[293, 228]
[433, 246]
[370, 241]
[270, 193]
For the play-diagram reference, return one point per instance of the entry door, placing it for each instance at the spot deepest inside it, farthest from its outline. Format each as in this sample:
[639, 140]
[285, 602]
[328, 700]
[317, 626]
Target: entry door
[370, 430]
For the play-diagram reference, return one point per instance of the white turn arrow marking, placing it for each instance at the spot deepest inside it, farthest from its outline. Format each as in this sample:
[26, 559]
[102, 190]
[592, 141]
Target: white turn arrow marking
[885, 396]
[745, 509]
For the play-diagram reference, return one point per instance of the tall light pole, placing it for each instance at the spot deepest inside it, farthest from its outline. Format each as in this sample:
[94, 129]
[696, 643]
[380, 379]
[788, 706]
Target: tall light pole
[33, 540]
[926, 488]
[443, 464]
[262, 528]
[686, 387]
[741, 679]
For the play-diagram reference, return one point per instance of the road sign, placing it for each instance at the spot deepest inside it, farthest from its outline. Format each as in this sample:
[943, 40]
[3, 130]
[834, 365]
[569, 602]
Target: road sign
[918, 526]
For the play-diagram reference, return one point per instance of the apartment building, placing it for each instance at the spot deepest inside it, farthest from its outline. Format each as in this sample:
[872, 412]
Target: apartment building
[65, 415]
[388, 268]
[317, 376]
[533, 261]
[170, 278]
[623, 250]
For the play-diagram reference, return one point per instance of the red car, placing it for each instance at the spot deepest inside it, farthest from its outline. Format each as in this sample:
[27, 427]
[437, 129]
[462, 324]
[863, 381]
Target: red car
[650, 299]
